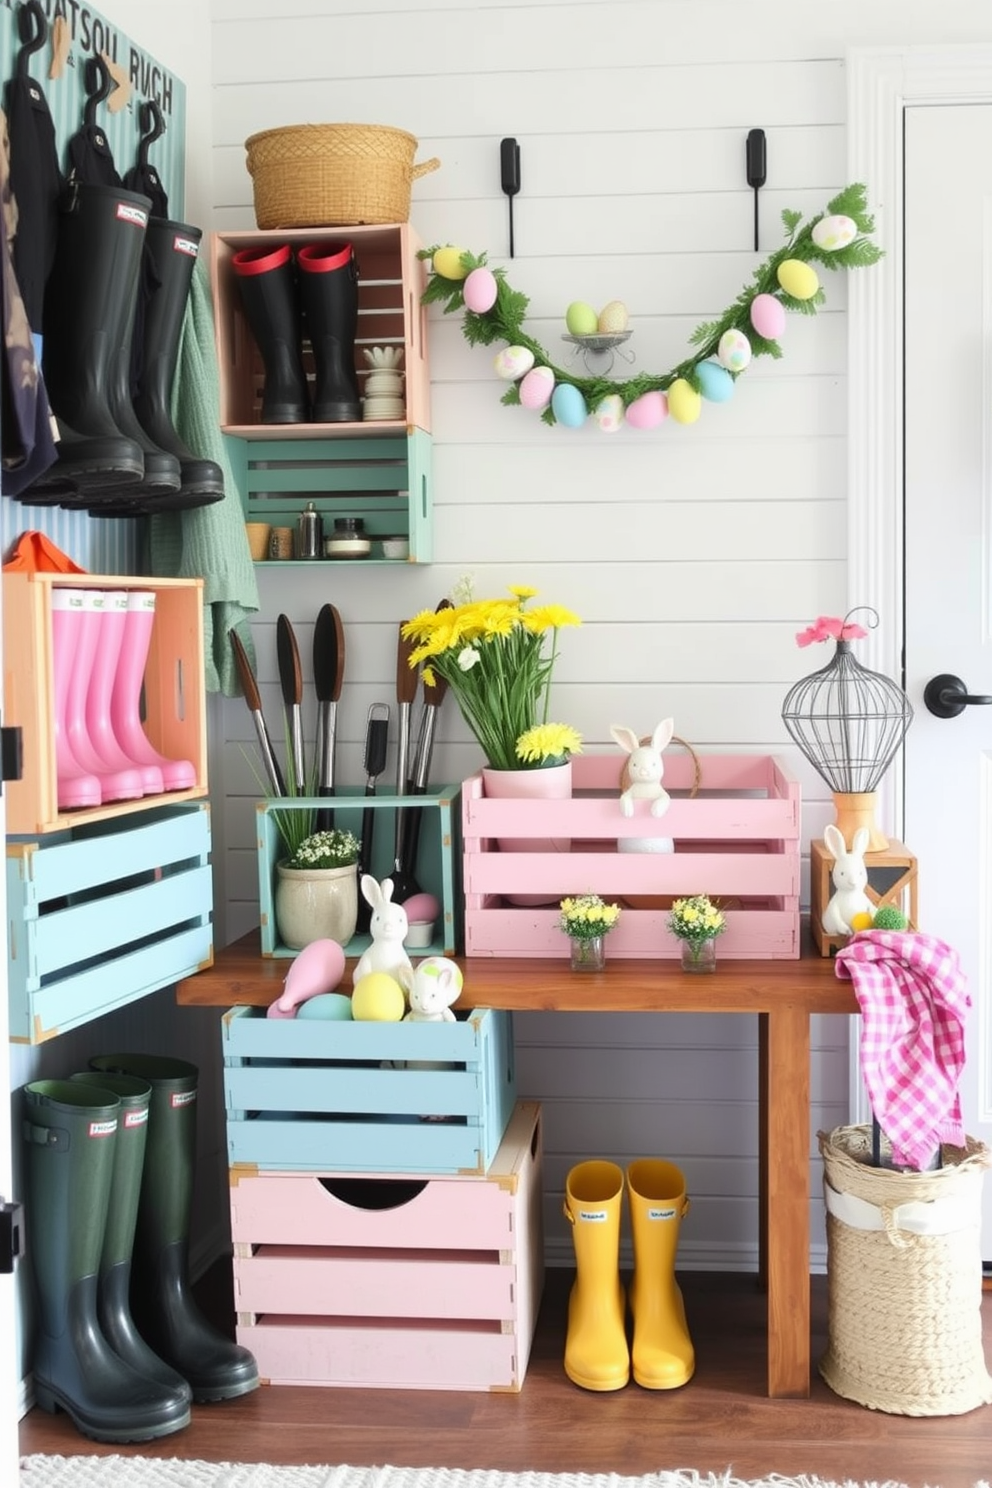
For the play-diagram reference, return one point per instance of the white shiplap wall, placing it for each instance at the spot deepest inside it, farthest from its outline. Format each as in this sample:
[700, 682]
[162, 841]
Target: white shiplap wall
[693, 555]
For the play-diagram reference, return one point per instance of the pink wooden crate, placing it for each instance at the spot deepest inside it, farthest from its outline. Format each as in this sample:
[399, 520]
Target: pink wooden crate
[365, 1280]
[736, 840]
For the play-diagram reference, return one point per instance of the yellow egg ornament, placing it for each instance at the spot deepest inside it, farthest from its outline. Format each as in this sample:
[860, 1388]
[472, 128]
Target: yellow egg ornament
[684, 403]
[378, 998]
[448, 263]
[798, 279]
[861, 921]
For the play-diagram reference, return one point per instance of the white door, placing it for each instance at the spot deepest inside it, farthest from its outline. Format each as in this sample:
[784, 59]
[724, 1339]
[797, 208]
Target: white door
[947, 248]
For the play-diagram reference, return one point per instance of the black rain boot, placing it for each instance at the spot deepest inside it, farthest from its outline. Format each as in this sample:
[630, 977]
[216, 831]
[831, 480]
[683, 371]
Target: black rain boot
[101, 230]
[70, 1134]
[113, 1304]
[267, 281]
[329, 294]
[173, 248]
[164, 1309]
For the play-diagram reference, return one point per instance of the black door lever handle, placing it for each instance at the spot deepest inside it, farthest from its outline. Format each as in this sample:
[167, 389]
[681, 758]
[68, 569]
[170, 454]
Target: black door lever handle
[946, 696]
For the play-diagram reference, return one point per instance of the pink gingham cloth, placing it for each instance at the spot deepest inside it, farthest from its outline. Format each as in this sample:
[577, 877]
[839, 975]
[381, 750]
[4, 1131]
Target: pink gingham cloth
[914, 1001]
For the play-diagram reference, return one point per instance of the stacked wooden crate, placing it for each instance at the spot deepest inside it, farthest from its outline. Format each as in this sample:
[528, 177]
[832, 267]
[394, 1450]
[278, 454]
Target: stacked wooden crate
[385, 1201]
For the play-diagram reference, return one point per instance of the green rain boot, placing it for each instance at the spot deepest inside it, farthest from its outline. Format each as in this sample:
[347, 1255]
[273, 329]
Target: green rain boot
[70, 1136]
[112, 1305]
[164, 1310]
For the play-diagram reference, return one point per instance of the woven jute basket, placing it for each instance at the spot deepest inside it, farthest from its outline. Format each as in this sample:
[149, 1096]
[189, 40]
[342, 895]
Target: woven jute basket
[904, 1320]
[333, 175]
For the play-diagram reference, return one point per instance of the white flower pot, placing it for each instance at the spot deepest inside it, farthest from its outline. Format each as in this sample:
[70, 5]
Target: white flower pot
[316, 904]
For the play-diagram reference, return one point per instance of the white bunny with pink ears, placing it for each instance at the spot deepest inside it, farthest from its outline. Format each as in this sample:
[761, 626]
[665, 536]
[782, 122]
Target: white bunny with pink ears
[645, 767]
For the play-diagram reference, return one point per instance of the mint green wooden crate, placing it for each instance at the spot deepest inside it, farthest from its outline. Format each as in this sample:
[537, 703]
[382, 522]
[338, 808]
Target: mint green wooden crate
[437, 869]
[102, 914]
[384, 479]
[308, 1096]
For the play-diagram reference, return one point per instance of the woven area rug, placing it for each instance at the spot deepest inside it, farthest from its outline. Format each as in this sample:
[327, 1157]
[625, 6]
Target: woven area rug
[147, 1472]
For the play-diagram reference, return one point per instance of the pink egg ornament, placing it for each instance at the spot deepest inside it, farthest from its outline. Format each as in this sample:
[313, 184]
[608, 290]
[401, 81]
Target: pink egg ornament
[768, 316]
[479, 291]
[537, 388]
[648, 411]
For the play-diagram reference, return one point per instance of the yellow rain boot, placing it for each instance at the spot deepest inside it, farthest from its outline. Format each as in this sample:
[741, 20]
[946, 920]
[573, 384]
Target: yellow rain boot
[662, 1353]
[596, 1353]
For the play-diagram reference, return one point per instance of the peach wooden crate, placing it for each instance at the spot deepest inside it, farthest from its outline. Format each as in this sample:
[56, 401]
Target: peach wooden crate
[391, 1282]
[174, 692]
[736, 840]
[391, 281]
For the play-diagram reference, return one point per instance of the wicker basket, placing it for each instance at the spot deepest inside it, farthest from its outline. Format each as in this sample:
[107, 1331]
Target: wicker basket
[332, 175]
[904, 1273]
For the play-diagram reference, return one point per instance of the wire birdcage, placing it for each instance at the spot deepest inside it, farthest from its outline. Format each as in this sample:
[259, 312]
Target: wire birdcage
[849, 723]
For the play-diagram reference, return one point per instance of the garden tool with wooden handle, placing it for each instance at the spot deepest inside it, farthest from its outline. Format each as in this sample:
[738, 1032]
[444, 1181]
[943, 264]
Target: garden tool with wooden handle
[291, 678]
[253, 698]
[328, 676]
[404, 884]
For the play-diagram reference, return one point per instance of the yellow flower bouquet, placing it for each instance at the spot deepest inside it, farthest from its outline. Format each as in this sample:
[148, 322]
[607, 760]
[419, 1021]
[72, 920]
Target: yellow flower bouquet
[586, 917]
[497, 657]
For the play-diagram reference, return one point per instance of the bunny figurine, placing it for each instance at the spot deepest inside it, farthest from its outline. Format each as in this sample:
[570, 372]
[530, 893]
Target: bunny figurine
[645, 767]
[431, 987]
[850, 878]
[389, 926]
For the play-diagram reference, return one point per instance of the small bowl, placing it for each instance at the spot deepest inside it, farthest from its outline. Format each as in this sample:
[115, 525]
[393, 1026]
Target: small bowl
[420, 934]
[395, 547]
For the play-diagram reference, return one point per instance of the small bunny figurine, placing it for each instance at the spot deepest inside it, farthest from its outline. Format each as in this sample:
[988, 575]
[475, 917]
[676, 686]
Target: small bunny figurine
[645, 767]
[389, 926]
[431, 987]
[850, 877]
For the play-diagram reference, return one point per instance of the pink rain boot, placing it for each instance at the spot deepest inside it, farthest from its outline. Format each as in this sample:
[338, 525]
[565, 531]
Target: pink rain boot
[110, 635]
[124, 703]
[74, 787]
[115, 785]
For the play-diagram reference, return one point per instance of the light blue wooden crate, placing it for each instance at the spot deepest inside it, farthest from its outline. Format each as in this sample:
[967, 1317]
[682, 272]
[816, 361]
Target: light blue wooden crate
[103, 914]
[308, 1096]
[437, 869]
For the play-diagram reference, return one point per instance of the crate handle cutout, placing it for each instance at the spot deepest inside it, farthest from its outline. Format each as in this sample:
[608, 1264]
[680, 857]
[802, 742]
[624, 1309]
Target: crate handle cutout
[374, 1193]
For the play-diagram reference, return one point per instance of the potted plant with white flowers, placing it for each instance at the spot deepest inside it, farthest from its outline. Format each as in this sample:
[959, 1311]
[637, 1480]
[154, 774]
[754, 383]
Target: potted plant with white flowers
[317, 889]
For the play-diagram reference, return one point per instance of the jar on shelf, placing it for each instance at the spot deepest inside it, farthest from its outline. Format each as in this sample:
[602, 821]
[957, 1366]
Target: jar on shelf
[309, 532]
[348, 540]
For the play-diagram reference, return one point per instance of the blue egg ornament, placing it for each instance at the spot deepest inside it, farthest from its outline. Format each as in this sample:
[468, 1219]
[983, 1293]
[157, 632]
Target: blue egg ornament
[328, 1007]
[569, 406]
[715, 382]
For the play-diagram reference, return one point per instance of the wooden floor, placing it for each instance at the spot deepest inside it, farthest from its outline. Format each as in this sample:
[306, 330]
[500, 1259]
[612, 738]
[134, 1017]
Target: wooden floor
[720, 1420]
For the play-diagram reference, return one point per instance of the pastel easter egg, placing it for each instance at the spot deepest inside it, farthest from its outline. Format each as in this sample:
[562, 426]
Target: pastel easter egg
[513, 362]
[608, 413]
[715, 382]
[648, 411]
[612, 319]
[448, 263]
[798, 279]
[768, 316]
[831, 233]
[327, 1007]
[581, 319]
[378, 998]
[537, 387]
[734, 351]
[569, 406]
[421, 907]
[479, 291]
[684, 403]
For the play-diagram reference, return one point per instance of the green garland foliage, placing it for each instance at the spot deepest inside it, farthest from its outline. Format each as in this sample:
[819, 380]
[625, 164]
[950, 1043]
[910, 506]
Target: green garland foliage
[505, 320]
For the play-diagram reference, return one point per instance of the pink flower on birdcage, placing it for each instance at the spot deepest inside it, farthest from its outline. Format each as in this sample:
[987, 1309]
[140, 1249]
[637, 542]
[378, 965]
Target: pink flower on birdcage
[830, 628]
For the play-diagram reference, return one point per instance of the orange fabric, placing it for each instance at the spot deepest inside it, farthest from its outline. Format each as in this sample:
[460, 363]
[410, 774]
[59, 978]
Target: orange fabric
[35, 553]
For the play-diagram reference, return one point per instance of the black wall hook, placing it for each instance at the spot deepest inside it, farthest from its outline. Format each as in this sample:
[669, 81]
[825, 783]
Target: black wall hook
[32, 28]
[152, 127]
[98, 83]
[509, 170]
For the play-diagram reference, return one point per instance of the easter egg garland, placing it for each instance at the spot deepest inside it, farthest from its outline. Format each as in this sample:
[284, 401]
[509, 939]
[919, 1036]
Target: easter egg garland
[838, 239]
